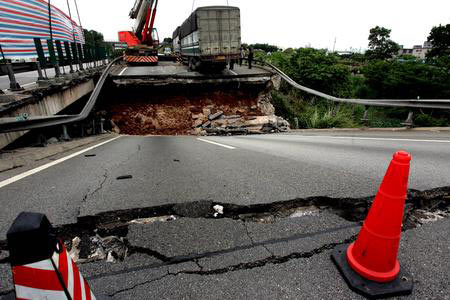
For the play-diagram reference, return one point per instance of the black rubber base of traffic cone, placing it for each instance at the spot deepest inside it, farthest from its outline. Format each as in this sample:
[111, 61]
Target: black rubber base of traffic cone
[402, 285]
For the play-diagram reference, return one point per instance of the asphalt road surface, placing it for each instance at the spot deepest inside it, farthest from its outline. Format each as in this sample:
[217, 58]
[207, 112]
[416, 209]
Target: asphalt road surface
[177, 69]
[241, 170]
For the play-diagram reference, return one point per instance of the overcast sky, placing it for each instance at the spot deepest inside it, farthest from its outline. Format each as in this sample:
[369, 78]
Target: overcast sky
[286, 23]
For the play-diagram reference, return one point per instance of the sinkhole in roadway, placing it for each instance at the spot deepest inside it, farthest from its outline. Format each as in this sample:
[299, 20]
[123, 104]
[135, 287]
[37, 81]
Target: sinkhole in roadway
[186, 110]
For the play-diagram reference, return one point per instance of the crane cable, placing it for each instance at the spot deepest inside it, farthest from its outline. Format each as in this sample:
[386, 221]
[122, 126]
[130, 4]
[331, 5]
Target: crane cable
[79, 20]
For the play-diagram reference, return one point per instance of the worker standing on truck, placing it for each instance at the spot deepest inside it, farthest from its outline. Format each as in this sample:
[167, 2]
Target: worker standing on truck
[250, 58]
[242, 56]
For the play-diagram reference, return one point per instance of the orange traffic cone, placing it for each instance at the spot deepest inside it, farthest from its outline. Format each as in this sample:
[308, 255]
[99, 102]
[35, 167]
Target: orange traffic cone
[370, 264]
[41, 266]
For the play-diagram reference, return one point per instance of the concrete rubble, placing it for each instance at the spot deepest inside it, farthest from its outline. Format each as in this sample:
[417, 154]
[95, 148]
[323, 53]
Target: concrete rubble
[216, 113]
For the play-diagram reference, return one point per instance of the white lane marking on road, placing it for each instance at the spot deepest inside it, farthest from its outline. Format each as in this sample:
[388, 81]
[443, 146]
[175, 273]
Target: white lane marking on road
[53, 163]
[123, 71]
[375, 139]
[217, 144]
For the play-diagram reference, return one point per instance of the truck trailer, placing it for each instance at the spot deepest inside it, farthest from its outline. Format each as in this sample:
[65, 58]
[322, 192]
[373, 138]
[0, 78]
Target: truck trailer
[210, 38]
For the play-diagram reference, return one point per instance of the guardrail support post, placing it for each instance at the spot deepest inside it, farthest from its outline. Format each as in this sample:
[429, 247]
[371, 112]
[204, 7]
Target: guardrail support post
[65, 135]
[102, 121]
[296, 125]
[409, 121]
[82, 130]
[39, 70]
[365, 117]
[13, 84]
[57, 70]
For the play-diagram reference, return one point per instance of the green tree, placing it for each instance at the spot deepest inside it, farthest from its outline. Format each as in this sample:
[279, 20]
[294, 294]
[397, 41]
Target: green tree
[315, 69]
[93, 38]
[406, 80]
[440, 39]
[168, 41]
[380, 44]
[265, 47]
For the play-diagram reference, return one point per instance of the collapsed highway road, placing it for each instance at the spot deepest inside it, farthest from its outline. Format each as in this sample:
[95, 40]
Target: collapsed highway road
[223, 217]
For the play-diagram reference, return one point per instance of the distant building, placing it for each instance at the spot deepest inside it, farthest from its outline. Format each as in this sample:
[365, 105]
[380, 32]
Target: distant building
[417, 51]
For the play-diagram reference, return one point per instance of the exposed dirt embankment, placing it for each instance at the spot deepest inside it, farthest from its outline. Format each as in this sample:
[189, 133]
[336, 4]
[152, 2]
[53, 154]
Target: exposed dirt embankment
[208, 112]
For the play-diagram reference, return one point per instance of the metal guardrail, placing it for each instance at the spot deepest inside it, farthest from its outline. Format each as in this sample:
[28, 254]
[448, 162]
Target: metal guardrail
[28, 123]
[406, 103]
[20, 124]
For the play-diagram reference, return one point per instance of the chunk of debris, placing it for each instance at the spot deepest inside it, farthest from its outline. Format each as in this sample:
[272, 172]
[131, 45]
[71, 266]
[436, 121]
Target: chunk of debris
[145, 221]
[124, 177]
[75, 250]
[111, 248]
[187, 114]
[218, 209]
[304, 211]
[215, 116]
[52, 140]
[90, 155]
[197, 116]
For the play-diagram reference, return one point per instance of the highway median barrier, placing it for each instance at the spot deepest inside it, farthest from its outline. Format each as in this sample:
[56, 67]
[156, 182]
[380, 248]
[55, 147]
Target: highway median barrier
[369, 265]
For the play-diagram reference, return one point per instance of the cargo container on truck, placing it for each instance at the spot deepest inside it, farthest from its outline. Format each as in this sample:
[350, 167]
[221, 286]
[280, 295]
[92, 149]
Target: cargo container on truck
[210, 38]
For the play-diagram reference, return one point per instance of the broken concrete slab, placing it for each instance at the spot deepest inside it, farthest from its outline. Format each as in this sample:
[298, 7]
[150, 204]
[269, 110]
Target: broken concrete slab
[189, 237]
[241, 255]
[308, 278]
[102, 268]
[215, 115]
[310, 275]
[290, 235]
[114, 283]
[424, 251]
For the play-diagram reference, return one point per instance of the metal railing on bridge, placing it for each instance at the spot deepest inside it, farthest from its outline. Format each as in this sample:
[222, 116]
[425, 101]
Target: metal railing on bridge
[28, 123]
[406, 103]
[401, 103]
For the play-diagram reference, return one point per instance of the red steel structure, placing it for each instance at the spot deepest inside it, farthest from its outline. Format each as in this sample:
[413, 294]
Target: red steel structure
[143, 41]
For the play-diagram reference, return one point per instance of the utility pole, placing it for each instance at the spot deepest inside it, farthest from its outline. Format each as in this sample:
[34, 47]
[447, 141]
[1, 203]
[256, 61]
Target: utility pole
[3, 55]
[55, 62]
[50, 20]
[79, 21]
[80, 65]
[334, 45]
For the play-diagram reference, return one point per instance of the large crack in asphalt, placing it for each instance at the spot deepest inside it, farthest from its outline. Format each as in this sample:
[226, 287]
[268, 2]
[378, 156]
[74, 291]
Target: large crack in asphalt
[90, 194]
[117, 222]
[237, 267]
[173, 260]
[253, 242]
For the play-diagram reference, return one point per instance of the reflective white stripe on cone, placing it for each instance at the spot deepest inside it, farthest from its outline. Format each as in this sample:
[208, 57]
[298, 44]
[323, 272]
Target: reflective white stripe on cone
[41, 280]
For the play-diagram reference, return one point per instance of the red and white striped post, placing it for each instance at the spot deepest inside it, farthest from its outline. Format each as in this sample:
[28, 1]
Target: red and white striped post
[41, 265]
